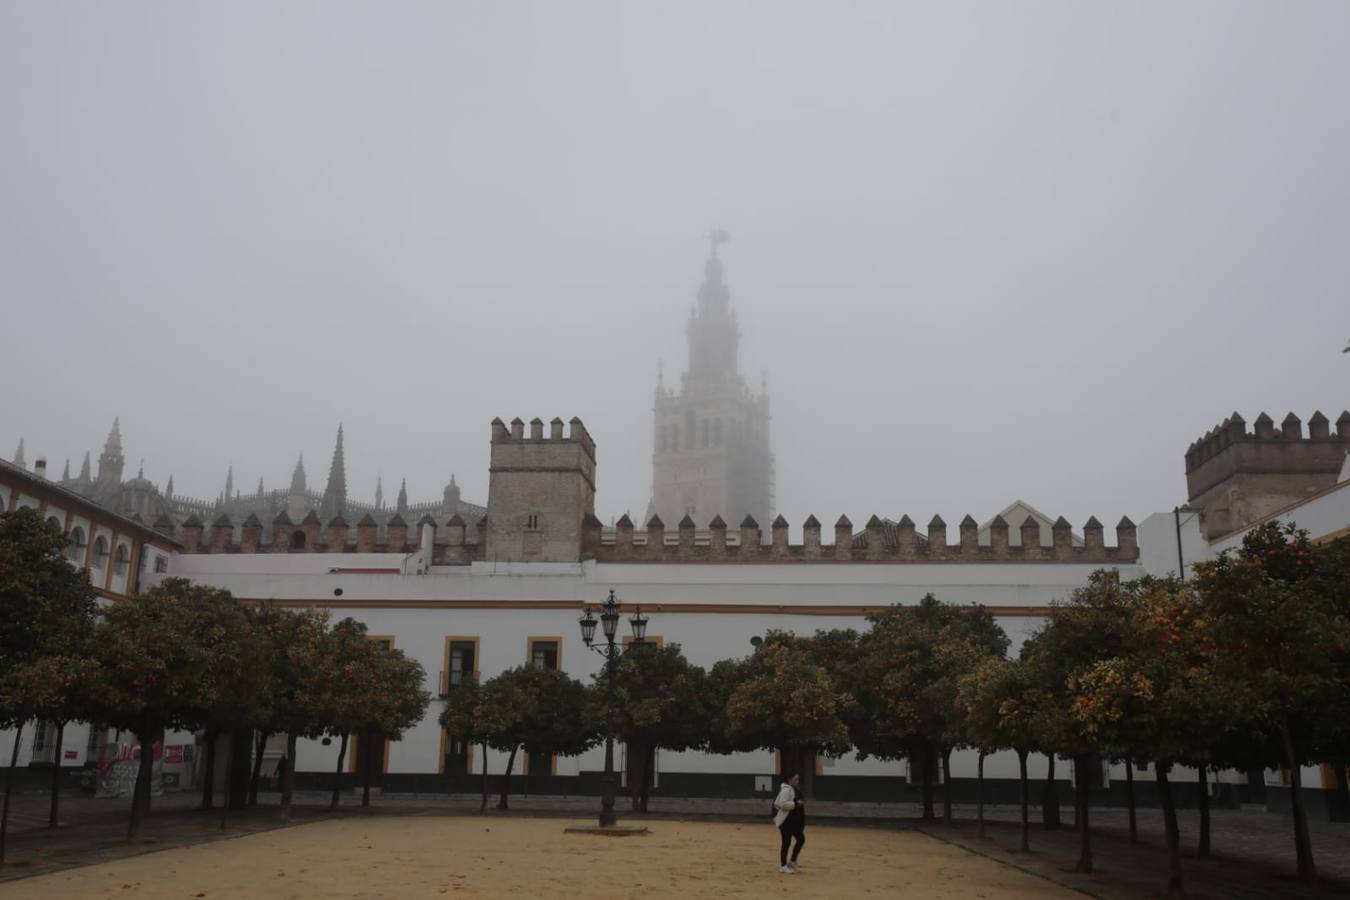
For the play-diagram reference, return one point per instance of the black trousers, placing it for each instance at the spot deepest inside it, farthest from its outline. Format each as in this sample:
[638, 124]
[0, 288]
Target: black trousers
[790, 830]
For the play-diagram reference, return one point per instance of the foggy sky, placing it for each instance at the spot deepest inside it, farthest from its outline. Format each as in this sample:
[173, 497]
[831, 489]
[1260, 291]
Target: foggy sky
[983, 251]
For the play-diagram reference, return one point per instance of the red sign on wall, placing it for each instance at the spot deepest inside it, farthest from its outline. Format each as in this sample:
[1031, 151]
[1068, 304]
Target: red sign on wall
[72, 754]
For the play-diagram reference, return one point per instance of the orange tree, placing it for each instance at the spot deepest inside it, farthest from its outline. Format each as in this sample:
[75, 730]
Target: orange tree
[906, 677]
[1330, 734]
[661, 701]
[300, 672]
[343, 688]
[374, 692]
[464, 716]
[779, 698]
[1283, 637]
[1092, 625]
[46, 619]
[1158, 695]
[540, 710]
[1000, 712]
[170, 658]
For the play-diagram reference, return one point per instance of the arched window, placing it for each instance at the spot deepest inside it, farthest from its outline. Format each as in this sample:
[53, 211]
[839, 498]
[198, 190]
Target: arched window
[53, 520]
[100, 552]
[122, 561]
[78, 546]
[297, 540]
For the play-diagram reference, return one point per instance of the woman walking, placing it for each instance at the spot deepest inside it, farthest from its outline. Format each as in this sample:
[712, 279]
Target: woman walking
[790, 817]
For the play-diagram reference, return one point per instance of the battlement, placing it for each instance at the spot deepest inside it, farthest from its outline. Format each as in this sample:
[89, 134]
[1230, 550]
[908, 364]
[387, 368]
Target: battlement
[623, 543]
[1235, 476]
[515, 434]
[879, 542]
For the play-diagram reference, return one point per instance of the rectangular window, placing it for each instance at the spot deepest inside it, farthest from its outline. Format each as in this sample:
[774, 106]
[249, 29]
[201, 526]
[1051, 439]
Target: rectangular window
[95, 739]
[461, 663]
[40, 737]
[161, 565]
[649, 641]
[544, 652]
[532, 521]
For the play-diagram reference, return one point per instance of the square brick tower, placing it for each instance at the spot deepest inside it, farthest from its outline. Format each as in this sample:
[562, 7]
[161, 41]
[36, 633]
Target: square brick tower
[540, 490]
[1235, 476]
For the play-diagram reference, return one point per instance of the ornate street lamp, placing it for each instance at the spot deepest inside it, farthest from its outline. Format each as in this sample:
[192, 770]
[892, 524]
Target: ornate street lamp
[609, 625]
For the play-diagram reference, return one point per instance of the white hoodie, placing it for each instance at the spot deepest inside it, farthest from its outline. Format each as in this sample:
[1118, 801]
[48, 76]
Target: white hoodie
[785, 802]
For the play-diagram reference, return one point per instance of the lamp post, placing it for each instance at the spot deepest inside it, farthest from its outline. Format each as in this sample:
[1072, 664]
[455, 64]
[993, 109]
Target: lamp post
[609, 624]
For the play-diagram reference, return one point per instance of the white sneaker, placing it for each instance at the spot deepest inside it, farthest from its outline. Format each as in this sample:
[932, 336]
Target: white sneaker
[796, 869]
[787, 870]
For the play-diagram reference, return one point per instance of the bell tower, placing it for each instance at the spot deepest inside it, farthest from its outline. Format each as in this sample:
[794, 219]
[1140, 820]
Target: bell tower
[712, 455]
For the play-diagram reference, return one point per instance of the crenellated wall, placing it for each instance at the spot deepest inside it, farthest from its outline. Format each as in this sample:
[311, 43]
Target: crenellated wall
[689, 544]
[1235, 476]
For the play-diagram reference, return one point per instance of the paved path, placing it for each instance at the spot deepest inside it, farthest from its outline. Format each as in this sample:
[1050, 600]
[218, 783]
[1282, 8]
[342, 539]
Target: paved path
[1253, 850]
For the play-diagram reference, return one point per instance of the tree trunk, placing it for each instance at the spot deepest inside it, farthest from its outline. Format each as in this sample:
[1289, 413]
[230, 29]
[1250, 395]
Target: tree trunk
[56, 775]
[288, 777]
[241, 753]
[636, 757]
[1340, 806]
[1175, 887]
[256, 774]
[230, 770]
[1024, 795]
[140, 796]
[337, 774]
[209, 771]
[1083, 764]
[1050, 799]
[947, 785]
[367, 751]
[1129, 798]
[9, 789]
[649, 774]
[979, 797]
[482, 807]
[1307, 870]
[506, 779]
[1203, 851]
[926, 754]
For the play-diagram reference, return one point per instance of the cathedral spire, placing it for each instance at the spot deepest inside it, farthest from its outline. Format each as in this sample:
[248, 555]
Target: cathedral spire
[110, 462]
[168, 488]
[229, 484]
[335, 494]
[260, 486]
[84, 468]
[65, 473]
[403, 497]
[18, 456]
[379, 492]
[713, 333]
[298, 477]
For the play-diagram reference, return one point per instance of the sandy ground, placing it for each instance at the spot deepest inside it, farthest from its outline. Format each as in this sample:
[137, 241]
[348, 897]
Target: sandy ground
[533, 859]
